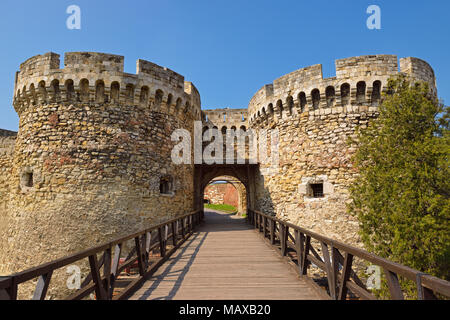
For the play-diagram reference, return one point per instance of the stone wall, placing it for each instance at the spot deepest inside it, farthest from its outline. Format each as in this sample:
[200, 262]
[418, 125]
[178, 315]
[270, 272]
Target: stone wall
[222, 193]
[313, 150]
[7, 142]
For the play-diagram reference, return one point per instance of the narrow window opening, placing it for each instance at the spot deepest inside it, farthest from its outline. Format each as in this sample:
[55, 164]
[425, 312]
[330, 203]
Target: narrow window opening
[165, 185]
[317, 190]
[315, 99]
[29, 182]
[345, 94]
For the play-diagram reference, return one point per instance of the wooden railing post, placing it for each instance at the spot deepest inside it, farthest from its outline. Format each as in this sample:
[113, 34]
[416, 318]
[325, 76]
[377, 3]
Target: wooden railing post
[114, 268]
[394, 285]
[99, 290]
[272, 231]
[423, 293]
[12, 291]
[305, 261]
[345, 276]
[42, 286]
[107, 273]
[139, 256]
[329, 270]
[335, 260]
[183, 233]
[283, 238]
[299, 246]
[8, 288]
[162, 247]
[174, 234]
[264, 226]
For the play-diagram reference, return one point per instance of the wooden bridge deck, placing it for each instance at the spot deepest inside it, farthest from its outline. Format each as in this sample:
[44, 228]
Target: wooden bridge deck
[225, 259]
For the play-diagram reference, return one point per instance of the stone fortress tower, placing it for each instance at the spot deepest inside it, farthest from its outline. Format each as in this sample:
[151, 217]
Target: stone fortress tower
[315, 117]
[92, 160]
[92, 156]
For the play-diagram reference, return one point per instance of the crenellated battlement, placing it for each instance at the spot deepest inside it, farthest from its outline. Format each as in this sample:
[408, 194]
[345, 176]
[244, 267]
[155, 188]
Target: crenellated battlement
[99, 78]
[226, 118]
[358, 84]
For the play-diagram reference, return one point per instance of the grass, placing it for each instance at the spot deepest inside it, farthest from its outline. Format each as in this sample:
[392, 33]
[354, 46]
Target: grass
[221, 207]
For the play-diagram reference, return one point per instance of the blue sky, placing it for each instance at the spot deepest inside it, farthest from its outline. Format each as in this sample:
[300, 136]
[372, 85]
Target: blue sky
[228, 49]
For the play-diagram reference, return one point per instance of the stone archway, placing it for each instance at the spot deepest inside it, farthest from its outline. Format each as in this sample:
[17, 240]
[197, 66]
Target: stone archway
[234, 193]
[204, 174]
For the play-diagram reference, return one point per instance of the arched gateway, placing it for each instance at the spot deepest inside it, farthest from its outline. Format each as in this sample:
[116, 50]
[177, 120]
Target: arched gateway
[204, 174]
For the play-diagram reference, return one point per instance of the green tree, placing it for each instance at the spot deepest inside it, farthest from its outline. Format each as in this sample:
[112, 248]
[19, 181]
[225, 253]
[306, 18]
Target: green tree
[401, 196]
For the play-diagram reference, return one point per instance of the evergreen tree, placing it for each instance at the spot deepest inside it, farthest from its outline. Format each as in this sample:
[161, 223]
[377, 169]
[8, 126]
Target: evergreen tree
[401, 196]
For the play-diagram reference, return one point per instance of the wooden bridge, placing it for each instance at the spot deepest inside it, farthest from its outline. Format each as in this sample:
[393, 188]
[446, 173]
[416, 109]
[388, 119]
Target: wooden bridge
[226, 259]
[214, 256]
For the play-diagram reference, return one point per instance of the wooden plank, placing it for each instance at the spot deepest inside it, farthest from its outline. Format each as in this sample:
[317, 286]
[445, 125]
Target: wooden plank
[423, 293]
[360, 292]
[42, 286]
[317, 262]
[316, 255]
[340, 259]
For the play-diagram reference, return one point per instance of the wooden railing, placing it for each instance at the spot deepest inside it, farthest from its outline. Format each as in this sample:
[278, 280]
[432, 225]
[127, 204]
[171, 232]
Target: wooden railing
[337, 261]
[146, 242]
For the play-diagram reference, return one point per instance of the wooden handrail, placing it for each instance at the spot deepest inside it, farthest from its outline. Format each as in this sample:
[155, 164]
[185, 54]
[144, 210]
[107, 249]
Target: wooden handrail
[336, 254]
[104, 285]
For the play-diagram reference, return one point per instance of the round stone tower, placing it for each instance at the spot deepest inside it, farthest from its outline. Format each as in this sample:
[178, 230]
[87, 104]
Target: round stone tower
[314, 118]
[92, 156]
